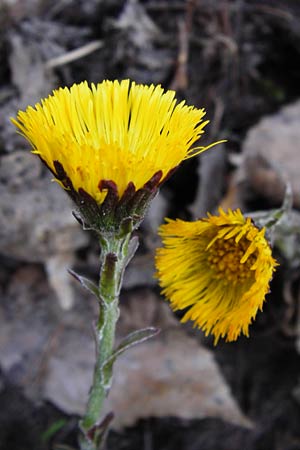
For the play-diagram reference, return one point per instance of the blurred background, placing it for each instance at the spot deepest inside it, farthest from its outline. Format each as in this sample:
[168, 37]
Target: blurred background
[240, 59]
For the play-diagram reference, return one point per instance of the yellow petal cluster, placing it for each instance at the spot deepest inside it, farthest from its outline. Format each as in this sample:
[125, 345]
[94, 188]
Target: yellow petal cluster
[218, 268]
[117, 131]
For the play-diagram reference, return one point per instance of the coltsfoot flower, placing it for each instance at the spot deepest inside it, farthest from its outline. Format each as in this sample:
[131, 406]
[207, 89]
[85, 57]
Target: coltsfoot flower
[115, 139]
[219, 268]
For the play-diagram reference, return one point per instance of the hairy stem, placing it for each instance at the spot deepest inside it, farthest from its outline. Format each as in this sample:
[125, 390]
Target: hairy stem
[114, 257]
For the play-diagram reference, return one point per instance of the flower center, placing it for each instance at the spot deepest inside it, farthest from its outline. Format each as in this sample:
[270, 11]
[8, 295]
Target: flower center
[224, 258]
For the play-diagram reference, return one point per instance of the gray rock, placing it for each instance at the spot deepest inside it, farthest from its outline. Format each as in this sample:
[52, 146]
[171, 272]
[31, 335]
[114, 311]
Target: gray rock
[52, 355]
[271, 155]
[36, 224]
[70, 372]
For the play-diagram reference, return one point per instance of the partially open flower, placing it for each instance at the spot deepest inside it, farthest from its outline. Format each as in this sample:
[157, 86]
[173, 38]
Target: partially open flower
[219, 268]
[114, 139]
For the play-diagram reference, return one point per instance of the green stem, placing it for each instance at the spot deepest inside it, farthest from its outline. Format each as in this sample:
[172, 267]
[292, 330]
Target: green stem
[114, 256]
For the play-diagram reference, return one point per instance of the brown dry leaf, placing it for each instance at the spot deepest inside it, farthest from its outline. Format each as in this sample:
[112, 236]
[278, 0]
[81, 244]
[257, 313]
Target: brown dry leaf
[169, 375]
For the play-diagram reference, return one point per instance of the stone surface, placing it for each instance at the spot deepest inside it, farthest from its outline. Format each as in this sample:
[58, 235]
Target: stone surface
[36, 220]
[36, 224]
[170, 376]
[271, 152]
[51, 355]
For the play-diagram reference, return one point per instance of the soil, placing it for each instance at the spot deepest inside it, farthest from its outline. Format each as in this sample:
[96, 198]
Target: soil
[240, 59]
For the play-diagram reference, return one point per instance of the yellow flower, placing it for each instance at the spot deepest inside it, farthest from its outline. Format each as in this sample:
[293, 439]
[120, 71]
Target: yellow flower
[116, 132]
[219, 268]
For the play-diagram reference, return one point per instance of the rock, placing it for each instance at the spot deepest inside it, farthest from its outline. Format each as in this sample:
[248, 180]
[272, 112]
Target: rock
[36, 224]
[70, 372]
[52, 355]
[169, 375]
[26, 324]
[37, 221]
[271, 152]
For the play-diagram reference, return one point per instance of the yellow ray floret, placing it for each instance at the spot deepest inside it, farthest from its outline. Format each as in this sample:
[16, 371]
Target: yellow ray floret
[219, 268]
[117, 131]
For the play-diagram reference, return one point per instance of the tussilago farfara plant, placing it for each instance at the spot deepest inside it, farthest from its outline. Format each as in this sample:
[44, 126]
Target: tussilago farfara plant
[110, 147]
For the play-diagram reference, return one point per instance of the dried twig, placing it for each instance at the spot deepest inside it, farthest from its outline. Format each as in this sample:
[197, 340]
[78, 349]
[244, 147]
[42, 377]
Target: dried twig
[271, 10]
[180, 79]
[73, 55]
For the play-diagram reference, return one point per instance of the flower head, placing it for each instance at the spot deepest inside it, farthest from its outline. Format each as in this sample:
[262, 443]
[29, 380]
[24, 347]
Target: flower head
[219, 268]
[115, 136]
